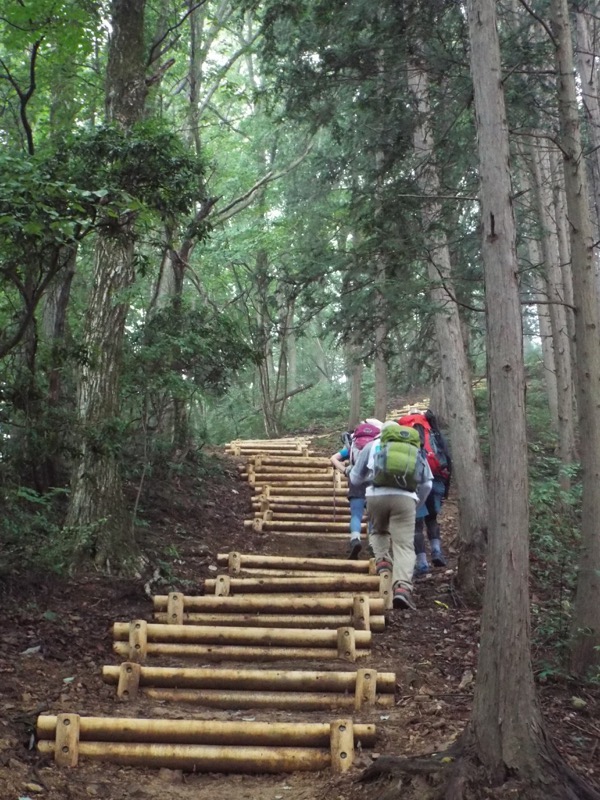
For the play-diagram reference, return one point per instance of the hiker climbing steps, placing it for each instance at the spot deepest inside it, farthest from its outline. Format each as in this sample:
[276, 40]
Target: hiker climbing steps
[260, 608]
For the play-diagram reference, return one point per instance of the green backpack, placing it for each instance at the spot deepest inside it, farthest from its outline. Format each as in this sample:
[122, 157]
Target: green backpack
[398, 463]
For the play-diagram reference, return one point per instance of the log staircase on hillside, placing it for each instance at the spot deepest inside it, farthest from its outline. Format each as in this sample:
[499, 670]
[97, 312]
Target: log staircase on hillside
[258, 609]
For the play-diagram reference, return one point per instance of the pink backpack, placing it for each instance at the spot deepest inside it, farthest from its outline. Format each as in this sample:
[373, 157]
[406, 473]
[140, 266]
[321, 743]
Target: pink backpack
[363, 434]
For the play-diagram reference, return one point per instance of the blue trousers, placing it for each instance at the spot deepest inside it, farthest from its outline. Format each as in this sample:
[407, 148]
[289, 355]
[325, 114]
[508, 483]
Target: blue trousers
[357, 508]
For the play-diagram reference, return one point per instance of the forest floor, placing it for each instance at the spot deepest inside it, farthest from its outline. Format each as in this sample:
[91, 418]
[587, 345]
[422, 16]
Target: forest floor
[56, 636]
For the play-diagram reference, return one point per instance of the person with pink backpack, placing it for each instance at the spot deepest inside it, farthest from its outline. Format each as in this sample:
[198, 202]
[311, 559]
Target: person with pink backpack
[343, 461]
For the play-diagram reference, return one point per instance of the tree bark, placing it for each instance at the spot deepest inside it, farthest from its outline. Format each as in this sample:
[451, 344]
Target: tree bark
[587, 68]
[461, 421]
[542, 176]
[506, 723]
[541, 291]
[586, 619]
[354, 371]
[97, 511]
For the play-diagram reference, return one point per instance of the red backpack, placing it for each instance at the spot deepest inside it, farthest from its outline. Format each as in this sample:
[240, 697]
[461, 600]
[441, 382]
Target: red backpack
[362, 435]
[436, 456]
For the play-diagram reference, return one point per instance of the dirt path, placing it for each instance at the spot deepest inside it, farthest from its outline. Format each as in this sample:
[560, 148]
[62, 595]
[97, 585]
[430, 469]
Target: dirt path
[57, 638]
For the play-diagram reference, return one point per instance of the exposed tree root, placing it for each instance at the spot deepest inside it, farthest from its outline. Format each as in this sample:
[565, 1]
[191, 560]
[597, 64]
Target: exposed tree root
[457, 774]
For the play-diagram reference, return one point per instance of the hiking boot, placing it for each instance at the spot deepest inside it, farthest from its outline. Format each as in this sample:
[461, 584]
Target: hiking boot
[354, 549]
[421, 569]
[437, 557]
[403, 599]
[383, 565]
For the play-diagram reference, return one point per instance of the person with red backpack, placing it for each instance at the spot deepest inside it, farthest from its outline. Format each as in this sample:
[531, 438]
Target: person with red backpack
[343, 461]
[438, 457]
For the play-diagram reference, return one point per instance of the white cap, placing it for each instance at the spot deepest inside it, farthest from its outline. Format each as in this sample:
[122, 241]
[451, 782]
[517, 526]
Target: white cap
[389, 424]
[372, 421]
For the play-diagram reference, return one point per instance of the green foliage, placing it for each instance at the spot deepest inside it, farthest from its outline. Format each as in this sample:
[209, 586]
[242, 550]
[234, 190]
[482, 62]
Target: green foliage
[554, 529]
[184, 349]
[554, 532]
[31, 537]
[146, 166]
[39, 206]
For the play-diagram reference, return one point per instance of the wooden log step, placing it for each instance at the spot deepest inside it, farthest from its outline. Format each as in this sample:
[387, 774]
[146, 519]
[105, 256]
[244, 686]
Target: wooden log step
[210, 634]
[253, 680]
[286, 701]
[329, 500]
[282, 573]
[310, 516]
[321, 490]
[304, 504]
[266, 446]
[226, 688]
[138, 639]
[199, 758]
[289, 450]
[199, 731]
[335, 586]
[316, 535]
[279, 440]
[298, 525]
[291, 470]
[236, 561]
[239, 653]
[341, 512]
[279, 747]
[347, 583]
[283, 461]
[358, 616]
[268, 603]
[298, 482]
[375, 622]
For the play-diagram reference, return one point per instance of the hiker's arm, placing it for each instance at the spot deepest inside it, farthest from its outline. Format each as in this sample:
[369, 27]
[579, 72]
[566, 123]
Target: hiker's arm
[338, 462]
[449, 468]
[360, 473]
[424, 487]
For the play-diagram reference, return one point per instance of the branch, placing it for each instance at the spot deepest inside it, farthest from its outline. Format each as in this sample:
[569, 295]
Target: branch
[439, 197]
[158, 75]
[25, 97]
[153, 55]
[227, 122]
[244, 200]
[222, 72]
[548, 303]
[541, 21]
[280, 399]
[451, 294]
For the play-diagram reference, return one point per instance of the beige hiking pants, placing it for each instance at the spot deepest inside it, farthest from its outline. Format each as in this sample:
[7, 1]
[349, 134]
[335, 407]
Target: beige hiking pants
[392, 517]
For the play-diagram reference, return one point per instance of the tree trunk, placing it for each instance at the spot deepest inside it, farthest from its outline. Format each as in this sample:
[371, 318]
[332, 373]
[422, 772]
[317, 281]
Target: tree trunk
[354, 371]
[97, 509]
[437, 402]
[54, 330]
[380, 369]
[587, 66]
[564, 245]
[381, 331]
[545, 325]
[195, 72]
[585, 651]
[558, 316]
[461, 420]
[505, 723]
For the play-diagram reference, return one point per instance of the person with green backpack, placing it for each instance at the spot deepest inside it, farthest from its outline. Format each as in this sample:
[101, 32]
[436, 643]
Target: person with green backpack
[398, 479]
